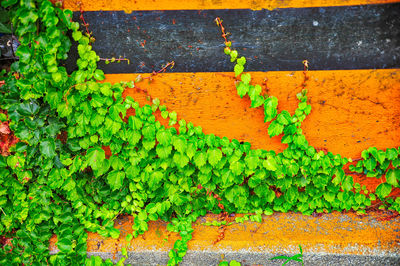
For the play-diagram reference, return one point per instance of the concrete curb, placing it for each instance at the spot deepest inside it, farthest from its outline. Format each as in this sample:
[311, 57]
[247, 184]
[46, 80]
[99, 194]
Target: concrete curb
[330, 239]
[246, 257]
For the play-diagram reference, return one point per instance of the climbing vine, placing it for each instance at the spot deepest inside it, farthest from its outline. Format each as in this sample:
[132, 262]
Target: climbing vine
[80, 161]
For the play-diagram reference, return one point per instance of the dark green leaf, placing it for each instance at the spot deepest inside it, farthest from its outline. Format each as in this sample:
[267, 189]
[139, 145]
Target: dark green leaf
[4, 29]
[48, 148]
[65, 245]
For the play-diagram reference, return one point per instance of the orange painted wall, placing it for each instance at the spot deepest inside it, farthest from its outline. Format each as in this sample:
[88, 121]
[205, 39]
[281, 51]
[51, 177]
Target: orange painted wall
[352, 109]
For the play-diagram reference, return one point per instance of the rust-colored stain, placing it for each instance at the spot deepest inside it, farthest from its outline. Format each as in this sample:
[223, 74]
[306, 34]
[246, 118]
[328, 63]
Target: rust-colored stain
[334, 233]
[134, 5]
[351, 109]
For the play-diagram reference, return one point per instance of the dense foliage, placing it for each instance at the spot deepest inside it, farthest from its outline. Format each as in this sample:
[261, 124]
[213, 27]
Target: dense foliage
[58, 179]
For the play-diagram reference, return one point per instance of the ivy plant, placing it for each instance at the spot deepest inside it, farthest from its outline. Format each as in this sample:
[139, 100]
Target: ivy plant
[81, 161]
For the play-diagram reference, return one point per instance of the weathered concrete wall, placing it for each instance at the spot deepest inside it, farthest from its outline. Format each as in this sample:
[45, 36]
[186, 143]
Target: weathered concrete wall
[330, 38]
[353, 109]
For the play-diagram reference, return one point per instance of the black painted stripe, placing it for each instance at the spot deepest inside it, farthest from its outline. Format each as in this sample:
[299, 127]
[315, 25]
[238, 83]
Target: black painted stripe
[330, 38]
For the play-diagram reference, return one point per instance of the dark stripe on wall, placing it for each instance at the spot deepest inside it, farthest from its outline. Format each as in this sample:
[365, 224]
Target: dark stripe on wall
[330, 38]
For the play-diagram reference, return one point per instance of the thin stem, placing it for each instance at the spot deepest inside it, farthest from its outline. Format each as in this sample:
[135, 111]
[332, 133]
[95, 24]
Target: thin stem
[68, 91]
[9, 58]
[115, 59]
[219, 23]
[154, 73]
[3, 211]
[86, 25]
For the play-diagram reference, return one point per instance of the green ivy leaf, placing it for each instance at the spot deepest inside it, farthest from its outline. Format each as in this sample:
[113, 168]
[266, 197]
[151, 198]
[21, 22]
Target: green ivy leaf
[179, 144]
[238, 69]
[237, 167]
[5, 29]
[393, 176]
[383, 190]
[28, 108]
[149, 132]
[380, 156]
[270, 164]
[57, 77]
[275, 129]
[242, 89]
[24, 53]
[163, 151]
[114, 232]
[270, 108]
[94, 261]
[284, 118]
[391, 154]
[241, 61]
[234, 55]
[254, 91]
[99, 75]
[7, 3]
[164, 114]
[264, 192]
[257, 101]
[252, 162]
[164, 137]
[155, 179]
[48, 148]
[133, 137]
[129, 238]
[116, 162]
[370, 164]
[124, 252]
[329, 196]
[106, 90]
[234, 263]
[28, 17]
[246, 78]
[115, 179]
[65, 245]
[214, 156]
[95, 157]
[77, 35]
[180, 159]
[199, 159]
[348, 183]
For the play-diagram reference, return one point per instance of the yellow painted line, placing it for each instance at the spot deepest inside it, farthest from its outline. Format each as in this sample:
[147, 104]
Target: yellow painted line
[336, 233]
[137, 5]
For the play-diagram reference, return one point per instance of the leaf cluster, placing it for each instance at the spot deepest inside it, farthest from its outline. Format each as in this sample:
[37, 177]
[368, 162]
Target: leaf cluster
[82, 161]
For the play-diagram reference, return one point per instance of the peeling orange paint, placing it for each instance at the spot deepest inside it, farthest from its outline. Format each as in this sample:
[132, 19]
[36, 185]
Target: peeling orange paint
[351, 109]
[134, 5]
[334, 233]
